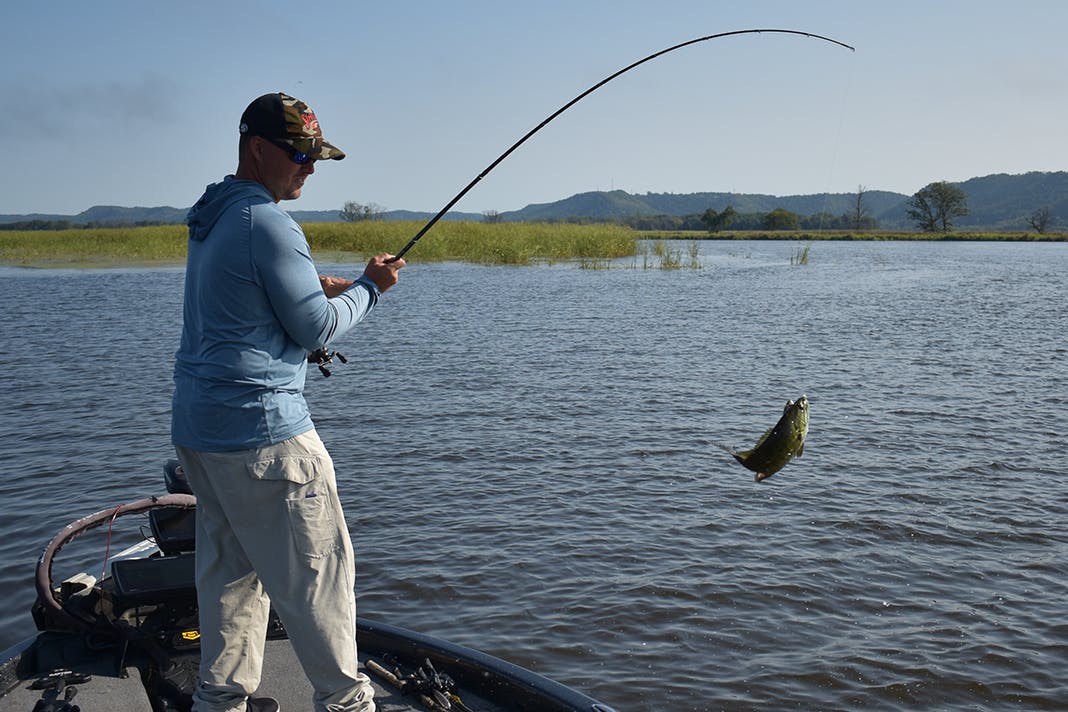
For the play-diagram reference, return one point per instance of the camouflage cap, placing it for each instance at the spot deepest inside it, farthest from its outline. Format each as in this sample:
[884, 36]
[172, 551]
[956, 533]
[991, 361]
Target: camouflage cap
[280, 117]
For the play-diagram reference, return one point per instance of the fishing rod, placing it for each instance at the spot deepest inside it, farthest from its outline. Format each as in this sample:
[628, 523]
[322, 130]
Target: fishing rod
[568, 105]
[323, 357]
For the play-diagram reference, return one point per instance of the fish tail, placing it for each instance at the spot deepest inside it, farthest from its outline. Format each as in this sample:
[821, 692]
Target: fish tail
[726, 448]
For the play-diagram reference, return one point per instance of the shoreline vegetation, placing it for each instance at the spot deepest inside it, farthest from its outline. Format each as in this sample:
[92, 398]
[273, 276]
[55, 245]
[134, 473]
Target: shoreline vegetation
[591, 246]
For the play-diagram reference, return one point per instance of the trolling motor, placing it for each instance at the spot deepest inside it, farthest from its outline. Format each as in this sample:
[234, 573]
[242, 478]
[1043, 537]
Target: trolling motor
[322, 357]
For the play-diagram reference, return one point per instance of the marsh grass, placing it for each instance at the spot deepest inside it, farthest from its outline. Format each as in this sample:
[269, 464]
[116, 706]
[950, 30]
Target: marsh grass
[595, 246]
[480, 243]
[165, 244]
[670, 257]
[667, 255]
[694, 250]
[799, 254]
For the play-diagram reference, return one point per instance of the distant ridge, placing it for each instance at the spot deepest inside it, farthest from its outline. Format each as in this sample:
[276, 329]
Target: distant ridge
[619, 204]
[996, 202]
[167, 215]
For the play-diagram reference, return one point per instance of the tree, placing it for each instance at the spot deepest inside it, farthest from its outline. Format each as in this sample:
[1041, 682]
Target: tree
[491, 216]
[714, 221]
[934, 207]
[820, 221]
[355, 212]
[859, 216]
[781, 219]
[1040, 220]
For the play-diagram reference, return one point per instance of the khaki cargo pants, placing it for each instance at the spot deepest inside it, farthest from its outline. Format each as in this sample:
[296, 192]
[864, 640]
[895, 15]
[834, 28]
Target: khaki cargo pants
[270, 530]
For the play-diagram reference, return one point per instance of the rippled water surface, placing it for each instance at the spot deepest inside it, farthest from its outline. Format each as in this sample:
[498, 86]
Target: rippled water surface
[529, 464]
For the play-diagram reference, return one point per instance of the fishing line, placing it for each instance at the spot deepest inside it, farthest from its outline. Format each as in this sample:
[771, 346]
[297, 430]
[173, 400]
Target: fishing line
[847, 90]
[568, 105]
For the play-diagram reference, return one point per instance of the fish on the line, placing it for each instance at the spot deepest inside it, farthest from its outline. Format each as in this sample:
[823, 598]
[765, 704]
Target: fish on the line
[782, 443]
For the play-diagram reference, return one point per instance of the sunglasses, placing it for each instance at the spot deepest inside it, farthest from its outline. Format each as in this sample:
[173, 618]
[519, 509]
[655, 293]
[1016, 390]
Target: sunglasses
[294, 155]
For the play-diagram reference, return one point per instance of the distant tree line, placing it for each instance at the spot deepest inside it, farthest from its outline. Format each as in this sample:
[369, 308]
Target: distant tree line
[777, 219]
[41, 224]
[932, 209]
[713, 220]
[37, 225]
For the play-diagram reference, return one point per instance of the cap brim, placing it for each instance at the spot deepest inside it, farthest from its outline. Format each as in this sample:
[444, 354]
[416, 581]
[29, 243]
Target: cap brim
[317, 149]
[330, 151]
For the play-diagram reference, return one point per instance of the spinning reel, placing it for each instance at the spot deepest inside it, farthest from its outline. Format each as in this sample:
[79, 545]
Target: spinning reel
[322, 357]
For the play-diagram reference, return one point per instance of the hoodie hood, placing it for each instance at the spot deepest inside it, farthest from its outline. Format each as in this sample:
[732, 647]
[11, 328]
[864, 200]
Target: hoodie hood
[217, 198]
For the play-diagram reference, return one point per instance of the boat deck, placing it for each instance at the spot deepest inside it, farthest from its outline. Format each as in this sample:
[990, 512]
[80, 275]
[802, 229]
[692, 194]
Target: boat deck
[484, 683]
[282, 679]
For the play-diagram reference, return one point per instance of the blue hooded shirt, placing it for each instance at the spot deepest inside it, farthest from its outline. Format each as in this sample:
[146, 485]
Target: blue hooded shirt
[254, 309]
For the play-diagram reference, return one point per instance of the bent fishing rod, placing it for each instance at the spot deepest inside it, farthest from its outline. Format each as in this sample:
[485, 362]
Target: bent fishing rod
[323, 357]
[580, 97]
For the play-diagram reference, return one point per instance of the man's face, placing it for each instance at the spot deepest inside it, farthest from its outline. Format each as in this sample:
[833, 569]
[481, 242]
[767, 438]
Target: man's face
[278, 173]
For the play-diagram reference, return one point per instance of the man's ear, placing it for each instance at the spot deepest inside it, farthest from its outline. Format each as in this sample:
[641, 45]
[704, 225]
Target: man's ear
[255, 146]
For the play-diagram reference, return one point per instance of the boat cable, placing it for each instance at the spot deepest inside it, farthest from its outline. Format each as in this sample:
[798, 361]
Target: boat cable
[46, 594]
[107, 545]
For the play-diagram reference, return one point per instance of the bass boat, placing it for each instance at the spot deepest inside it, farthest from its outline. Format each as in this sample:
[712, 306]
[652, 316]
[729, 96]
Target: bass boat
[128, 642]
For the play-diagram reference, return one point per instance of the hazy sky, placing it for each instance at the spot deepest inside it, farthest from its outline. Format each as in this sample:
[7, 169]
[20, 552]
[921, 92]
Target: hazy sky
[137, 103]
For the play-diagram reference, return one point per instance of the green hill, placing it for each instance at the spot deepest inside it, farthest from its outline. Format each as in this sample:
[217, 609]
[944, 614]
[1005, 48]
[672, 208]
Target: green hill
[998, 202]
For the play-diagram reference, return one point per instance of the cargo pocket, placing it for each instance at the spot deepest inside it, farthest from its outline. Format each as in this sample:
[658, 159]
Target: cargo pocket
[309, 510]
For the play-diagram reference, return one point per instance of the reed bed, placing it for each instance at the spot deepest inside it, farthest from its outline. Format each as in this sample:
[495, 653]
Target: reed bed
[164, 244]
[667, 255]
[590, 246]
[480, 243]
[799, 255]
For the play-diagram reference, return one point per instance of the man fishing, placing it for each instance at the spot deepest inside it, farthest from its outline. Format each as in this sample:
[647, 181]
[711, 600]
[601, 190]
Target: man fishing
[269, 526]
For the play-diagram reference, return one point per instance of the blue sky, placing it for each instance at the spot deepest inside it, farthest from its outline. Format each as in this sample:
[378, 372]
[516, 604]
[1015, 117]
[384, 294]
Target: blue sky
[137, 103]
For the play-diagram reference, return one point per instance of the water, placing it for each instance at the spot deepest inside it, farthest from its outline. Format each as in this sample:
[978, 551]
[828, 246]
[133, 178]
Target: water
[529, 464]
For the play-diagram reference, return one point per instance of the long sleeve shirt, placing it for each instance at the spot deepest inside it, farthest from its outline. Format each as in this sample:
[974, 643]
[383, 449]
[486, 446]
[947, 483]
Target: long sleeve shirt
[254, 308]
